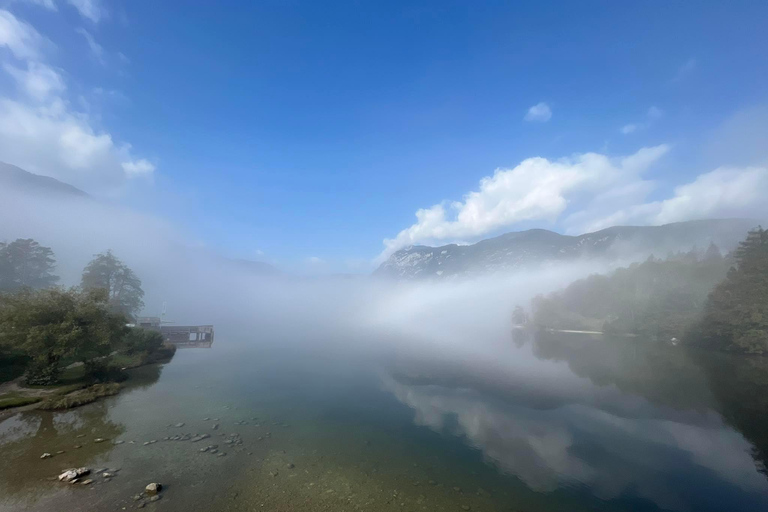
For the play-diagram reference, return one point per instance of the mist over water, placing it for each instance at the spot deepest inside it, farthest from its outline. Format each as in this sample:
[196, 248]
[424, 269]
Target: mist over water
[406, 382]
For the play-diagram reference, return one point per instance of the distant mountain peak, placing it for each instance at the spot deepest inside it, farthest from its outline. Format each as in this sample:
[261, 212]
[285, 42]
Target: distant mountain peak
[17, 178]
[520, 249]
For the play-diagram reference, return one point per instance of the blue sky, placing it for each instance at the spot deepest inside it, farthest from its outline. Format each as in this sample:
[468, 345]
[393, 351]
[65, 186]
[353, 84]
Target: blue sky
[295, 132]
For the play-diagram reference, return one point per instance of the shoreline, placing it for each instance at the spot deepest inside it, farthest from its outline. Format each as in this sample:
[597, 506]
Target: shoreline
[69, 395]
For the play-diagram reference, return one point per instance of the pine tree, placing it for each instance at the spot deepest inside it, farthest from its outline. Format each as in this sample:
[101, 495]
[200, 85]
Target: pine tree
[736, 313]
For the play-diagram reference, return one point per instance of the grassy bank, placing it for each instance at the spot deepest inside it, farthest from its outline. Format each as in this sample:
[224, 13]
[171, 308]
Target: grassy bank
[77, 385]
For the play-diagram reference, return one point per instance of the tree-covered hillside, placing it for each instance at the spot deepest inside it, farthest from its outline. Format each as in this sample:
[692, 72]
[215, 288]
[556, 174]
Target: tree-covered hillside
[656, 298]
[736, 312]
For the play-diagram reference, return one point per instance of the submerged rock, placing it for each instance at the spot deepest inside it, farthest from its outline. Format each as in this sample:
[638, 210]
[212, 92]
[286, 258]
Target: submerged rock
[99, 440]
[73, 474]
[153, 488]
[156, 497]
[46, 455]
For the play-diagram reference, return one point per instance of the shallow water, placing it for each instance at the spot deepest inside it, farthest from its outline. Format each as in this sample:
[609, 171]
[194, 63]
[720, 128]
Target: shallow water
[558, 423]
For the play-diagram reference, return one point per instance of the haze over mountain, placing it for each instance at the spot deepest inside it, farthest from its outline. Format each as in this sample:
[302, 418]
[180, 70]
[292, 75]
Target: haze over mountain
[540, 246]
[13, 177]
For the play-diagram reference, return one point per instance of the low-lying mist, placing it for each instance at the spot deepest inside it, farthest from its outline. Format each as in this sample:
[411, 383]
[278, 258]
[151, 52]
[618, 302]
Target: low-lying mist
[461, 318]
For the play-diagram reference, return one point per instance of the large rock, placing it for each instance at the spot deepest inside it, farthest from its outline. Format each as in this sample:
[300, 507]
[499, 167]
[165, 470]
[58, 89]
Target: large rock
[153, 488]
[73, 474]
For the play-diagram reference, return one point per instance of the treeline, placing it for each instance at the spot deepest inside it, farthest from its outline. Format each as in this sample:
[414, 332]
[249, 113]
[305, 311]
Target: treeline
[704, 299]
[44, 327]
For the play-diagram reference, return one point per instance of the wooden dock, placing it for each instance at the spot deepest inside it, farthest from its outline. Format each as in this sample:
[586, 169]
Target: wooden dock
[183, 336]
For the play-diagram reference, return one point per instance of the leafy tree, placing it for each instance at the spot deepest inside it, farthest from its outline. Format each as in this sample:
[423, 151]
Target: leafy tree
[24, 263]
[736, 313]
[53, 324]
[106, 272]
[519, 316]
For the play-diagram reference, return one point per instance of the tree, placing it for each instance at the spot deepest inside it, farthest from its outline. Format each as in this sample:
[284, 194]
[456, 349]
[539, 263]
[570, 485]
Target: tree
[53, 324]
[123, 287]
[736, 312]
[24, 263]
[713, 253]
[519, 316]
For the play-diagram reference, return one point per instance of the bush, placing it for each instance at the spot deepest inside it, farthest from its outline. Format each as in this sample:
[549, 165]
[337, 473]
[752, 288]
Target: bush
[141, 340]
[100, 371]
[41, 374]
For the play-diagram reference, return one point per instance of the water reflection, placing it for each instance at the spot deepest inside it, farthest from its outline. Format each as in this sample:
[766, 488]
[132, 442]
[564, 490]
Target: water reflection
[621, 418]
[24, 437]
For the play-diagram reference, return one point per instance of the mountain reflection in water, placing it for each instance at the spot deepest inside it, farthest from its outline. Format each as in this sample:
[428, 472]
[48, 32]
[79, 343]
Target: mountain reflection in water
[556, 423]
[686, 431]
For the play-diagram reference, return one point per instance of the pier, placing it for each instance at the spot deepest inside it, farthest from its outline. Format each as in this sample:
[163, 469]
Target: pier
[183, 336]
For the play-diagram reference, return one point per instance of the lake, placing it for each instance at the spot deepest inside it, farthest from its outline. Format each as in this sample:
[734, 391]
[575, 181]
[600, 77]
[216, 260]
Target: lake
[556, 422]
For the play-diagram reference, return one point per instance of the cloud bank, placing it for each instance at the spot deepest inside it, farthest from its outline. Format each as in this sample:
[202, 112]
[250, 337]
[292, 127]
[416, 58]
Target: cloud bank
[40, 130]
[583, 193]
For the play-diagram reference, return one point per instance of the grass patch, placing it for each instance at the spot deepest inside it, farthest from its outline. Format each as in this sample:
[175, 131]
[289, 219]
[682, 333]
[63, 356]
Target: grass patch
[128, 360]
[16, 400]
[78, 398]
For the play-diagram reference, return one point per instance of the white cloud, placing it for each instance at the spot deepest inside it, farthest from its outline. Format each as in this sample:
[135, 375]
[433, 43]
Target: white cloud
[40, 130]
[653, 114]
[536, 189]
[19, 37]
[314, 260]
[135, 168]
[51, 140]
[540, 112]
[38, 81]
[685, 70]
[724, 192]
[96, 49]
[90, 9]
[628, 128]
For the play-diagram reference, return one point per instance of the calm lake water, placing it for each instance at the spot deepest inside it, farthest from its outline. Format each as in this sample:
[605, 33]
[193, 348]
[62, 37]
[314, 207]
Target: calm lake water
[556, 423]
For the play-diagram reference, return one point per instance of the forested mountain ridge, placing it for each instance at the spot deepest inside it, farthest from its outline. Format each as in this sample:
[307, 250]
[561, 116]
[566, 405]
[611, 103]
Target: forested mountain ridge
[537, 246]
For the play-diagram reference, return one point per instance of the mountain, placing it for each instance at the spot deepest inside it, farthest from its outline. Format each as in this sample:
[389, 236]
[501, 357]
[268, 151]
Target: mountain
[254, 267]
[12, 177]
[540, 246]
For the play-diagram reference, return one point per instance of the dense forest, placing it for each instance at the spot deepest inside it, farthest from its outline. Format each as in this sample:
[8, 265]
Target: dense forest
[44, 327]
[702, 298]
